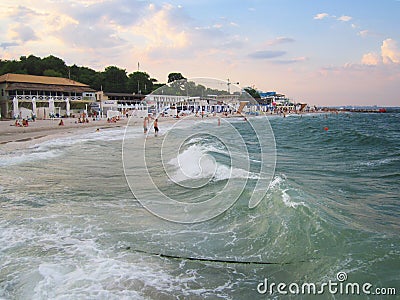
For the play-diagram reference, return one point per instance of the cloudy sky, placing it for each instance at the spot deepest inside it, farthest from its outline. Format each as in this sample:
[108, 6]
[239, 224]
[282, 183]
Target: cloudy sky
[325, 52]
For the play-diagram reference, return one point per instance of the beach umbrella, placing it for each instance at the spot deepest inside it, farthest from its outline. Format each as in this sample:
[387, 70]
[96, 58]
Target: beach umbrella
[34, 106]
[68, 107]
[51, 107]
[15, 108]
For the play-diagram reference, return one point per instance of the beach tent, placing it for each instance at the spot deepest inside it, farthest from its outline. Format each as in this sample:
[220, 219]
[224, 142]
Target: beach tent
[68, 107]
[34, 106]
[51, 107]
[15, 108]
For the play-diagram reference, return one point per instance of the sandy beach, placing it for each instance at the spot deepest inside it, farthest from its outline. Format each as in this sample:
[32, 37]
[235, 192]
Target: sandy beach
[12, 136]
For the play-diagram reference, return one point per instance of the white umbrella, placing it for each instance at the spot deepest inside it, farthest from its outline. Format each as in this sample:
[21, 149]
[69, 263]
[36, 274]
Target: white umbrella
[68, 107]
[51, 107]
[15, 108]
[34, 106]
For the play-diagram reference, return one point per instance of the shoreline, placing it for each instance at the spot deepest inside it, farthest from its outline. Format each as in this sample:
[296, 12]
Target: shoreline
[14, 138]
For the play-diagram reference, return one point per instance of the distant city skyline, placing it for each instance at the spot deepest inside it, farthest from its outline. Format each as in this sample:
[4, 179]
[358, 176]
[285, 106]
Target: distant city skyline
[316, 51]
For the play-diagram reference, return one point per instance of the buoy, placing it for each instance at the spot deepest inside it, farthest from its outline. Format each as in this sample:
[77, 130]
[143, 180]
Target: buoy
[326, 128]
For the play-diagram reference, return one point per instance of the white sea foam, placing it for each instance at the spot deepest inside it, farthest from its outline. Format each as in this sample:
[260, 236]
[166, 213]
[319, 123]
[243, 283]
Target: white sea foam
[279, 184]
[379, 162]
[56, 147]
[22, 157]
[196, 163]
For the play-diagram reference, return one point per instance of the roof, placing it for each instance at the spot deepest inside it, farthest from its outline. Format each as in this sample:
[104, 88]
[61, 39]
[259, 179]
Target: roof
[123, 95]
[48, 87]
[23, 78]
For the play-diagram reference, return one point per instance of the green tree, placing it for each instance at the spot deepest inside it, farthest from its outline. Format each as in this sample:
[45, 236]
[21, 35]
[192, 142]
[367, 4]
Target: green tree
[174, 77]
[140, 83]
[31, 64]
[56, 64]
[52, 73]
[115, 80]
[252, 92]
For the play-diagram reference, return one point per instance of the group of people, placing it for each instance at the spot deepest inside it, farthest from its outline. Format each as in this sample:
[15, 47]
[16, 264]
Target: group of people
[24, 123]
[146, 123]
[82, 120]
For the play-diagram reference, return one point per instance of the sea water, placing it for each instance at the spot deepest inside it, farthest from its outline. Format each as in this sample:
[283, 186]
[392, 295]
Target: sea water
[74, 222]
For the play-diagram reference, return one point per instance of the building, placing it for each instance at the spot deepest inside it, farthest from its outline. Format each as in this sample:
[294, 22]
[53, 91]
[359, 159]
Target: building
[42, 95]
[121, 102]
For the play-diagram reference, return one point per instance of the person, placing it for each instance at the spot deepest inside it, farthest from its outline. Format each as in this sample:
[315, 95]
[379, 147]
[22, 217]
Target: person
[61, 123]
[156, 127]
[145, 124]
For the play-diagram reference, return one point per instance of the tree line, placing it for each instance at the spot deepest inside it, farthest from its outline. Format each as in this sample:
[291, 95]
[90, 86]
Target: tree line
[113, 79]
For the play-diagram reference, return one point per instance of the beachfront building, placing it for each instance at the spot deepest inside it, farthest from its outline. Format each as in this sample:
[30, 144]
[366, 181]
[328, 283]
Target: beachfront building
[172, 104]
[112, 104]
[25, 96]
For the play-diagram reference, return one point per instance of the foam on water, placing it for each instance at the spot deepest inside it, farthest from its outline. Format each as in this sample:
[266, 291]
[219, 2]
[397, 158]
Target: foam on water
[22, 157]
[197, 162]
[57, 147]
[280, 185]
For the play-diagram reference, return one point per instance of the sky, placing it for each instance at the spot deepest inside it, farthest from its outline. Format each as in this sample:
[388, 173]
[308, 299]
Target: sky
[323, 52]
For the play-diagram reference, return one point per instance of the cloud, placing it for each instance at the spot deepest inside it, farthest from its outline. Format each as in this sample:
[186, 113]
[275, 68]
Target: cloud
[364, 33]
[292, 61]
[370, 59]
[161, 30]
[344, 18]
[266, 54]
[5, 45]
[321, 16]
[390, 52]
[23, 33]
[280, 40]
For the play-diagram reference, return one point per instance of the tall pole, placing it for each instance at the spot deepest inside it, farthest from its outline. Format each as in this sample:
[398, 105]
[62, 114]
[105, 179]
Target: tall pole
[229, 86]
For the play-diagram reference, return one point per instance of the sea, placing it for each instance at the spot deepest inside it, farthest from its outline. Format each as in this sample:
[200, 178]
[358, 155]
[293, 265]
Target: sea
[271, 207]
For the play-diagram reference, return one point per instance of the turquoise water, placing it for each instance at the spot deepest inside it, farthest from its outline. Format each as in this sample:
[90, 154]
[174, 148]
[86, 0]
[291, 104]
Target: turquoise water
[71, 228]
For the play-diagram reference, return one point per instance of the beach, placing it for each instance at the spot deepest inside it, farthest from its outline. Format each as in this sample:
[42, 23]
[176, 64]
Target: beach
[75, 223]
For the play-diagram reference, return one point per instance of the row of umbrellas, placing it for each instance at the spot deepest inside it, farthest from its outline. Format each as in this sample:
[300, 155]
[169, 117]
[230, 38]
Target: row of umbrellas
[51, 106]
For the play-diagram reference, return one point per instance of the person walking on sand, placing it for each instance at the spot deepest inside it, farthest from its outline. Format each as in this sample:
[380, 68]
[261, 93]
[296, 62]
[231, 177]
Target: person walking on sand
[145, 125]
[156, 127]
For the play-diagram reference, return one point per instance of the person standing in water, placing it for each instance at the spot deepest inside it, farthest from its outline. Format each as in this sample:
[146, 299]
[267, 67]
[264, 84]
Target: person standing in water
[156, 127]
[145, 125]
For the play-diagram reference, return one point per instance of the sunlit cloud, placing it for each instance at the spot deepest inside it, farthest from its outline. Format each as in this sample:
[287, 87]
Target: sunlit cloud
[390, 52]
[321, 16]
[370, 59]
[344, 18]
[160, 30]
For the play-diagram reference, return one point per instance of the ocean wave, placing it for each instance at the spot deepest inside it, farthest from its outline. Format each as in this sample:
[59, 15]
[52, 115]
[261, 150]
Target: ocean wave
[197, 162]
[280, 185]
[22, 157]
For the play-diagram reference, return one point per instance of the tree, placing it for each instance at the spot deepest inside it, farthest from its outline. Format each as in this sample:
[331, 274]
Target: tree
[32, 65]
[52, 73]
[174, 77]
[140, 83]
[56, 64]
[252, 92]
[115, 80]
